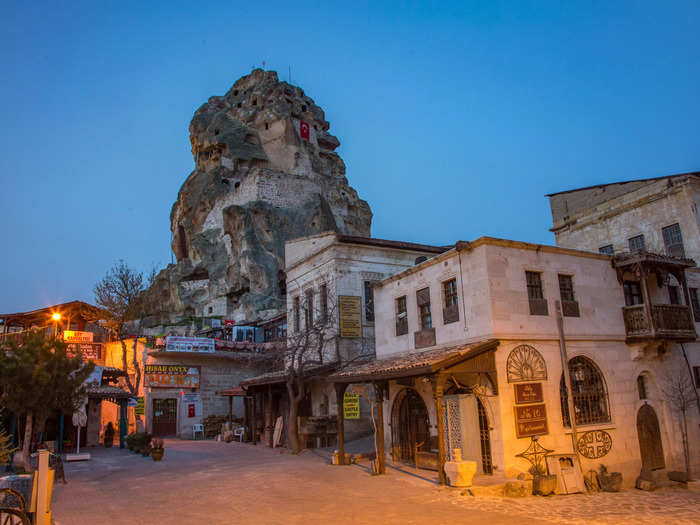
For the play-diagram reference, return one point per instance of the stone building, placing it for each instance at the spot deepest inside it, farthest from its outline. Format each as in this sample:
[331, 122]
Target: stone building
[266, 171]
[331, 276]
[469, 337]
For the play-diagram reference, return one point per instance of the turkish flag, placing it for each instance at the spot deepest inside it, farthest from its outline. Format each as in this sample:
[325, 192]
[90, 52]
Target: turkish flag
[304, 129]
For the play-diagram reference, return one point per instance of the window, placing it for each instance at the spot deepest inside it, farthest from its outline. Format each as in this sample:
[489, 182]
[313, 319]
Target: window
[324, 302]
[607, 249]
[309, 309]
[423, 299]
[369, 302]
[450, 312]
[538, 304]
[673, 240]
[633, 293]
[693, 292]
[296, 314]
[642, 387]
[673, 295]
[696, 373]
[569, 305]
[401, 316]
[590, 396]
[636, 244]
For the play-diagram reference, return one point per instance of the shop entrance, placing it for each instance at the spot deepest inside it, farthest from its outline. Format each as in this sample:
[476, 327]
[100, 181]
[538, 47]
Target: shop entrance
[410, 428]
[164, 417]
[649, 435]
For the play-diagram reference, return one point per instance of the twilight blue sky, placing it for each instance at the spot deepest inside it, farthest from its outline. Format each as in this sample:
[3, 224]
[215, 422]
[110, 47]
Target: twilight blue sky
[454, 120]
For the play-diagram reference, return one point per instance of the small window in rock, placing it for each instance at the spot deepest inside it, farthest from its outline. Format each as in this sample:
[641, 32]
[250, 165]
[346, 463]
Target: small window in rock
[216, 132]
[255, 102]
[267, 126]
[235, 186]
[303, 108]
[315, 127]
[235, 92]
[238, 105]
[211, 309]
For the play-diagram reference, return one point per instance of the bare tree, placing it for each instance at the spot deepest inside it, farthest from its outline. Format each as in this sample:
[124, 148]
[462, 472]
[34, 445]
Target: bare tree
[311, 351]
[680, 392]
[118, 293]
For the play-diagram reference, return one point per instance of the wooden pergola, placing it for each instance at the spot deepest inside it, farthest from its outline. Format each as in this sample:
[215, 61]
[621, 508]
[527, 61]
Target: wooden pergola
[461, 363]
[77, 312]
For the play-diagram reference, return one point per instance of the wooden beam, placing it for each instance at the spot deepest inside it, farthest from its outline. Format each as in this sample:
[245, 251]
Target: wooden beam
[379, 389]
[339, 396]
[438, 383]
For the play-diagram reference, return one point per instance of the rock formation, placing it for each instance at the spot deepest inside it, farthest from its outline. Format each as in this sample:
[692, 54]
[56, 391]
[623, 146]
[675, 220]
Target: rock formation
[265, 172]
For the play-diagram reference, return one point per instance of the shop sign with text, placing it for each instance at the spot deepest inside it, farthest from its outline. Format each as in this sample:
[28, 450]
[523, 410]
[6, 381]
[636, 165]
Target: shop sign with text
[171, 376]
[89, 351]
[526, 393]
[189, 344]
[350, 310]
[531, 420]
[74, 336]
[351, 406]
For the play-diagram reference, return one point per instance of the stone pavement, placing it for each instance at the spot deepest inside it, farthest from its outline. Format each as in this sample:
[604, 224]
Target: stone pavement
[212, 482]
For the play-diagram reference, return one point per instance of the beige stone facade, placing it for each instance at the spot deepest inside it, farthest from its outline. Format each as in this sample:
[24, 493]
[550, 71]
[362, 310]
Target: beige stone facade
[493, 303]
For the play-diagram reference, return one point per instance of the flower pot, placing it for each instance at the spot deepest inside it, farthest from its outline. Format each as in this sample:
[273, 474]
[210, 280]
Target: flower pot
[544, 485]
[157, 454]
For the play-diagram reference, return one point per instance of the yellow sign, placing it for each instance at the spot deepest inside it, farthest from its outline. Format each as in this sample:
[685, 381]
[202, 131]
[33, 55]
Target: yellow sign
[350, 309]
[351, 406]
[74, 336]
[139, 408]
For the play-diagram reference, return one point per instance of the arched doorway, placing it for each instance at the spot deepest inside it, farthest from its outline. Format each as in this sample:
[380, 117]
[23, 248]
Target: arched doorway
[410, 427]
[649, 435]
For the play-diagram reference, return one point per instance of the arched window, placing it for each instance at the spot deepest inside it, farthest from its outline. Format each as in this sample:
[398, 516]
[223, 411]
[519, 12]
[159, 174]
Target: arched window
[589, 394]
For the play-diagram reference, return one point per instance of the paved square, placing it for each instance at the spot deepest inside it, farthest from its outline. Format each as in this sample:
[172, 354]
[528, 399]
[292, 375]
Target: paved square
[222, 483]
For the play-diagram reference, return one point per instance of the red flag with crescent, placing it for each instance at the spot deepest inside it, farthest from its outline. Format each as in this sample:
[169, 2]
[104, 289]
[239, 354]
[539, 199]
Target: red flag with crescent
[304, 129]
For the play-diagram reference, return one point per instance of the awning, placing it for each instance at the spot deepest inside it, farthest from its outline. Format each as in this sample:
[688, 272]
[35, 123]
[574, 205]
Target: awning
[424, 362]
[280, 376]
[109, 392]
[232, 392]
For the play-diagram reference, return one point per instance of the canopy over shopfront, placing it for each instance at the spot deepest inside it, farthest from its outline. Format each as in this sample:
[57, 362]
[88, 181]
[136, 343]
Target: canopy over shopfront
[457, 364]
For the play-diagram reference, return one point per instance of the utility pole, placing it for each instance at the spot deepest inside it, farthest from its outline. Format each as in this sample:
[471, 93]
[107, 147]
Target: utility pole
[567, 377]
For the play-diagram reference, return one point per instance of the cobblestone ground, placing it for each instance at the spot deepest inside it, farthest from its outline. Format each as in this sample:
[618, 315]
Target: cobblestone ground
[212, 483]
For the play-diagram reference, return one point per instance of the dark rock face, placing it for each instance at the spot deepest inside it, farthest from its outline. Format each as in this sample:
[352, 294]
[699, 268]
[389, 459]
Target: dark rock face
[266, 172]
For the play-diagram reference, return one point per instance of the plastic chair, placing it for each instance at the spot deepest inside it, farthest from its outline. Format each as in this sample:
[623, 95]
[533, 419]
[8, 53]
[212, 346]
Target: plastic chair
[239, 433]
[197, 428]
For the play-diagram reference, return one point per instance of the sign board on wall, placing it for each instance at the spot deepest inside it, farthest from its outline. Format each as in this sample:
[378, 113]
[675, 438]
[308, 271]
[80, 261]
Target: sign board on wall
[192, 404]
[171, 376]
[139, 409]
[531, 420]
[189, 344]
[88, 351]
[528, 393]
[351, 406]
[350, 310]
[74, 336]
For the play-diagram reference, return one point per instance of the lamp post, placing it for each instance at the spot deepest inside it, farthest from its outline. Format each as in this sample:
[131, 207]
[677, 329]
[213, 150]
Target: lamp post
[56, 318]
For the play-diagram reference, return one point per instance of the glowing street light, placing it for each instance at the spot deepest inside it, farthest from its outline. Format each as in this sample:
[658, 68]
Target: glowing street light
[56, 318]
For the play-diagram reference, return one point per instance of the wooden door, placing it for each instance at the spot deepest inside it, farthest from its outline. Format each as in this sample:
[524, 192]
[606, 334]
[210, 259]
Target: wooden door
[164, 417]
[411, 430]
[649, 435]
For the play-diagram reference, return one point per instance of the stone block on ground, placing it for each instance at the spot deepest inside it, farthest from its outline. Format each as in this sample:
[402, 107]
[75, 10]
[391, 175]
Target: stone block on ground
[645, 484]
[517, 489]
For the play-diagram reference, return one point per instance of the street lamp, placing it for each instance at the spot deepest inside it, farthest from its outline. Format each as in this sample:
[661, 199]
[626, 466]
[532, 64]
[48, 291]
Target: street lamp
[56, 318]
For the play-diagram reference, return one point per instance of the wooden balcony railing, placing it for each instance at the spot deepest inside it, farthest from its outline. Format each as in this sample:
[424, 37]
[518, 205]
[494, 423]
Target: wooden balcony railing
[668, 321]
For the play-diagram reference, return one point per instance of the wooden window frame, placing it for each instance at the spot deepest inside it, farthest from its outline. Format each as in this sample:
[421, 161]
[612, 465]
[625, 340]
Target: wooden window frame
[309, 308]
[368, 296]
[425, 315]
[636, 243]
[401, 315]
[608, 249]
[535, 293]
[296, 312]
[569, 304]
[450, 310]
[670, 242]
[631, 294]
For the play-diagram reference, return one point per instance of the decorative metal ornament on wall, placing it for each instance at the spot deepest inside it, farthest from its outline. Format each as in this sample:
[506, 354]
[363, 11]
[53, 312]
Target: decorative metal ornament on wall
[525, 364]
[594, 444]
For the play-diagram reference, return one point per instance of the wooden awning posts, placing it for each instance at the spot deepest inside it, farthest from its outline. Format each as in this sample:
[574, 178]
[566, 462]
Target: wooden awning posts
[458, 364]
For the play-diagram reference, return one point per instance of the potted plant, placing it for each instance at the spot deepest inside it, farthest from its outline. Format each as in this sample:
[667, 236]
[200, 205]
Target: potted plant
[157, 450]
[109, 435]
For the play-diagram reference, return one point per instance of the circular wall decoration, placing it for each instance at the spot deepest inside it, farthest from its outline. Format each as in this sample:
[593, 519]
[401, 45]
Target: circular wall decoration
[594, 444]
[525, 364]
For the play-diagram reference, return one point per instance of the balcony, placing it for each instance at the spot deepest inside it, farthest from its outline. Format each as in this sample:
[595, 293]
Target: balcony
[667, 321]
